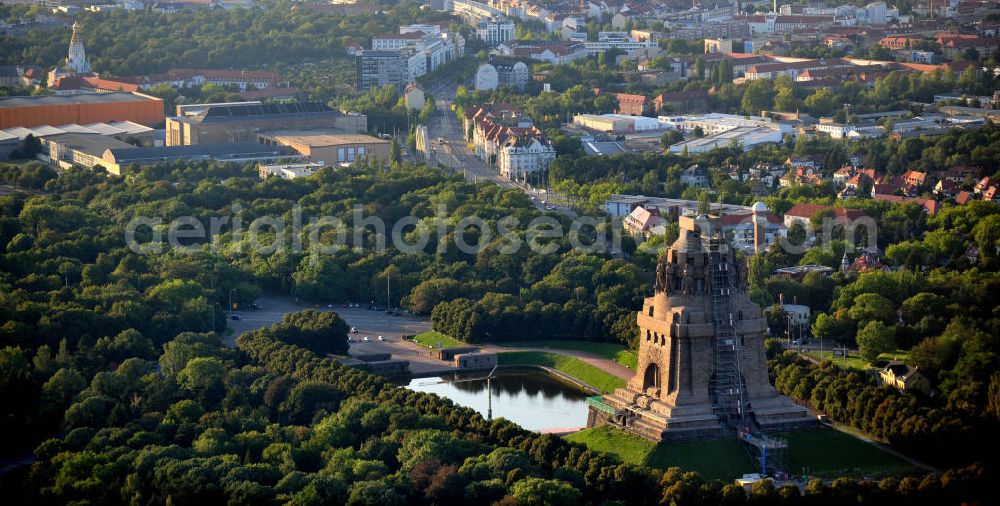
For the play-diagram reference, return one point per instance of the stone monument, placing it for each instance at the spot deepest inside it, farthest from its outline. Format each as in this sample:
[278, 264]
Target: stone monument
[701, 370]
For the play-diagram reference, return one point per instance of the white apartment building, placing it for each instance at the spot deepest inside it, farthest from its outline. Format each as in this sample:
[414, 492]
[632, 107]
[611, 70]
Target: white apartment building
[396, 42]
[619, 40]
[521, 156]
[416, 64]
[424, 52]
[495, 30]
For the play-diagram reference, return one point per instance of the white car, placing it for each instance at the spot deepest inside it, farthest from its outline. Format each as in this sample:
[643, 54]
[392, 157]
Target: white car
[354, 330]
[366, 339]
[380, 338]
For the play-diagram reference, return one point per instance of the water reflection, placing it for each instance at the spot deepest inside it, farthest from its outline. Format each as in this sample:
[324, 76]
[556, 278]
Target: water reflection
[533, 400]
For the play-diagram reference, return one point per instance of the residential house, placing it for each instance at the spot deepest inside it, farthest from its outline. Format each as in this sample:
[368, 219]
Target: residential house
[696, 175]
[643, 222]
[905, 377]
[867, 261]
[915, 178]
[740, 229]
[946, 188]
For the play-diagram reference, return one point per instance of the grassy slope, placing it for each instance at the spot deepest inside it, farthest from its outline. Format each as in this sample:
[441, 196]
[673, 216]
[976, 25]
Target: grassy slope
[854, 360]
[432, 338]
[610, 351]
[826, 452]
[722, 459]
[830, 453]
[569, 365]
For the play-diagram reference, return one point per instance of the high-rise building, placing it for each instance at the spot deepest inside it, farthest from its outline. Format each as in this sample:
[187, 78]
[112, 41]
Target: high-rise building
[381, 68]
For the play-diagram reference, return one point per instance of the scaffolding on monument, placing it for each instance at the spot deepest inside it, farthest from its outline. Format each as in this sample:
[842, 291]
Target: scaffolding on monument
[730, 400]
[769, 453]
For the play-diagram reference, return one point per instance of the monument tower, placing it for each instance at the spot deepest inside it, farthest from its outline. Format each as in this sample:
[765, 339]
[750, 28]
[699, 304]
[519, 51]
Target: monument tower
[701, 370]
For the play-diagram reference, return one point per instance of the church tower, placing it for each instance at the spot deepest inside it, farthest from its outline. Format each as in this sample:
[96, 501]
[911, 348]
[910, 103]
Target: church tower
[77, 59]
[701, 370]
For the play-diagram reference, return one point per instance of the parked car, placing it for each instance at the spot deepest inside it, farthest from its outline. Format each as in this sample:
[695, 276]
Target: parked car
[380, 338]
[354, 330]
[366, 339]
[235, 317]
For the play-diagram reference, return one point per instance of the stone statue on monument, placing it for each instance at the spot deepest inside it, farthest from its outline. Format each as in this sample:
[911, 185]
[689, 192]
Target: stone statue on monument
[660, 282]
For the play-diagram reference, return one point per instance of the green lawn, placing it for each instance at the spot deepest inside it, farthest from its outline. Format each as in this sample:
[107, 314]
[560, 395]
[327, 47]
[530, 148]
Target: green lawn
[831, 453]
[433, 337]
[826, 452]
[617, 352]
[854, 360]
[574, 367]
[722, 459]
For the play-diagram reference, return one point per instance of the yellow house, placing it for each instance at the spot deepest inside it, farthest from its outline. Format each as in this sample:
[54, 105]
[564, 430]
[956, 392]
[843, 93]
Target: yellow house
[904, 377]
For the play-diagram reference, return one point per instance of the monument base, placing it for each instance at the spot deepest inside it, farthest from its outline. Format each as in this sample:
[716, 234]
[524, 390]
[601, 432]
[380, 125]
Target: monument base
[653, 419]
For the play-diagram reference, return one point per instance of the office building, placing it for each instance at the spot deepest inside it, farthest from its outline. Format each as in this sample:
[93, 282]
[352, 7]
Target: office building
[243, 121]
[328, 147]
[376, 69]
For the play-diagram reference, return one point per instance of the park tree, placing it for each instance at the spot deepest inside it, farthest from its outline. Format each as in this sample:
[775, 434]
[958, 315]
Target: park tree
[323, 332]
[875, 339]
[758, 96]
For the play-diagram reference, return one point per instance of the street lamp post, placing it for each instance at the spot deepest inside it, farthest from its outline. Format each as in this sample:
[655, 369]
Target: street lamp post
[231, 303]
[214, 304]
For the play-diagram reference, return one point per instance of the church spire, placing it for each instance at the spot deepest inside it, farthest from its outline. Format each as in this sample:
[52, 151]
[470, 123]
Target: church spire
[77, 58]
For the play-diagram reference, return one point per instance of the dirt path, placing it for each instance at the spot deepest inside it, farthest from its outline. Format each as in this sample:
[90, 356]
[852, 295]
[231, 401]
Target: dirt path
[607, 365]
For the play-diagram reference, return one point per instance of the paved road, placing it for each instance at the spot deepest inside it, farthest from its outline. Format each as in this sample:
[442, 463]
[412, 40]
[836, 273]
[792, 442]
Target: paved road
[454, 153]
[370, 323]
[374, 323]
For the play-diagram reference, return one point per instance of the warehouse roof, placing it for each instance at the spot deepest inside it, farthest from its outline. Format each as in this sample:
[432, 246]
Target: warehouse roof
[323, 138]
[90, 144]
[225, 113]
[115, 128]
[216, 151]
[84, 98]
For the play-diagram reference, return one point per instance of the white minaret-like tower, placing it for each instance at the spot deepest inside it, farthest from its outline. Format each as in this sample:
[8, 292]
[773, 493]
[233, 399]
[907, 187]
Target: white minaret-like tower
[77, 60]
[760, 212]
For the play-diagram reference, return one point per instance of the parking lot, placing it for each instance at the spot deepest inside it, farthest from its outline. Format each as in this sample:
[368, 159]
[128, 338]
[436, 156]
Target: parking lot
[369, 323]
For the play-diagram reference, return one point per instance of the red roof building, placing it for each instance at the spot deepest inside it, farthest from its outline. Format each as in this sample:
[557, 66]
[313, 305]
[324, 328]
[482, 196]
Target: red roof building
[632, 105]
[805, 212]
